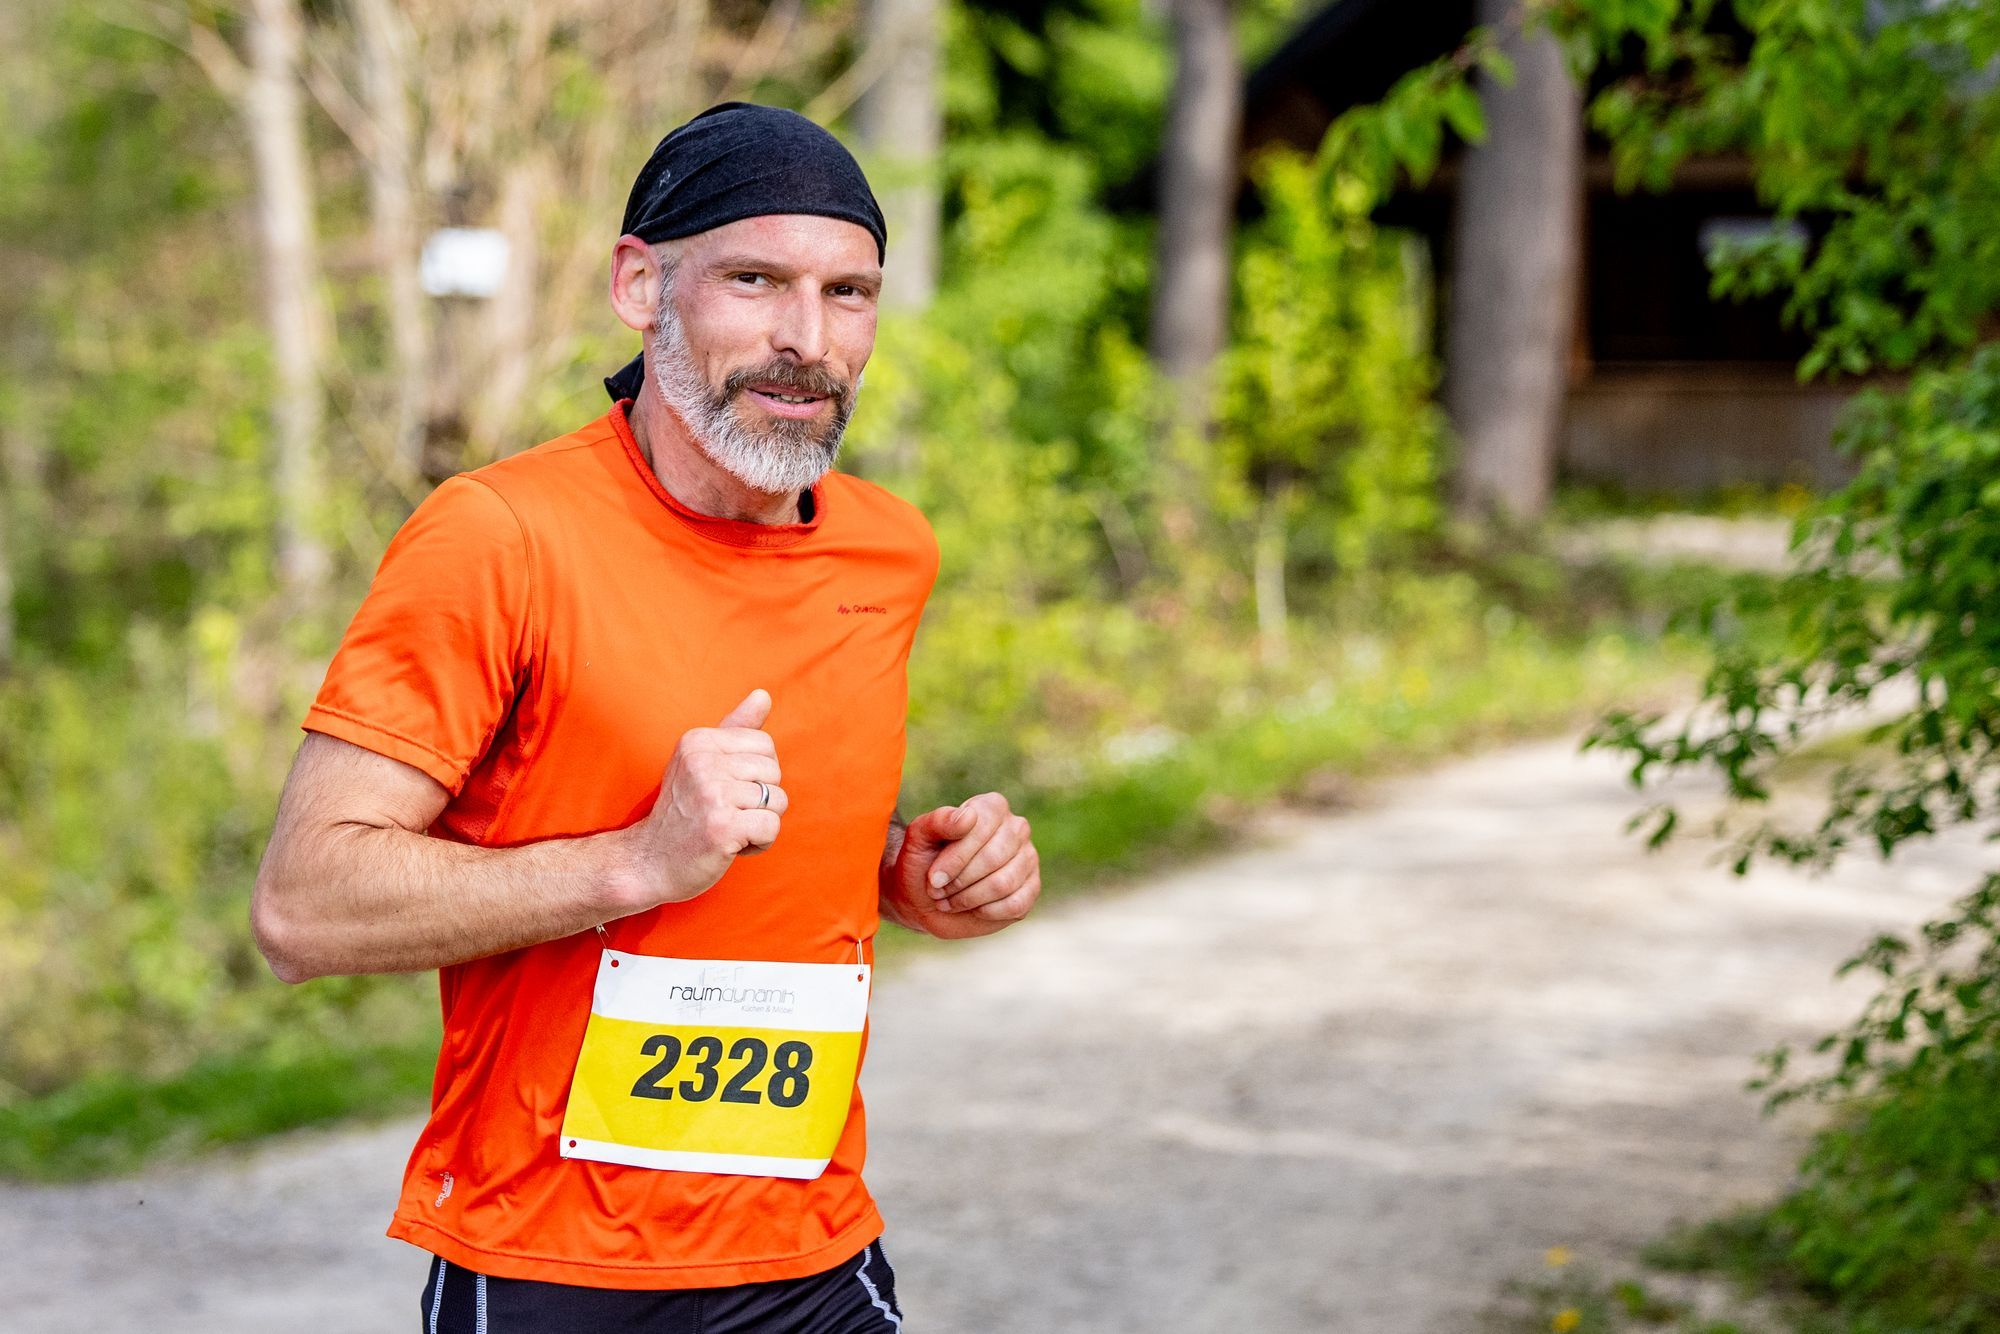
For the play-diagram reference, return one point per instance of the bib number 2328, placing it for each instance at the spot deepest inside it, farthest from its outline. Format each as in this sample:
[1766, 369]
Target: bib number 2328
[713, 1065]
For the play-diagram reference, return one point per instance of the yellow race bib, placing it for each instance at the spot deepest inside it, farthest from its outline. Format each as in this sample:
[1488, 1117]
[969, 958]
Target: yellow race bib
[715, 1065]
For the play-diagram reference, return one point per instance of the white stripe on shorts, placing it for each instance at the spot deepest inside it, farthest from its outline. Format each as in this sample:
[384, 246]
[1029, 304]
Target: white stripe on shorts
[889, 1313]
[437, 1298]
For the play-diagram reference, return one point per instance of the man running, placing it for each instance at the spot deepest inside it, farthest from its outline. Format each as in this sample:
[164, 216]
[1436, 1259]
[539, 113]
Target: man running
[614, 743]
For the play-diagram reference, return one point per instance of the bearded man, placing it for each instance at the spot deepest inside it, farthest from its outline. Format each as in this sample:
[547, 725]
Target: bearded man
[614, 744]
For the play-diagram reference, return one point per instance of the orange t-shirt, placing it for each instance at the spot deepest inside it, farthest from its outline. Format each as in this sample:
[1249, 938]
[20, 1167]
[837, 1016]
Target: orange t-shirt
[538, 637]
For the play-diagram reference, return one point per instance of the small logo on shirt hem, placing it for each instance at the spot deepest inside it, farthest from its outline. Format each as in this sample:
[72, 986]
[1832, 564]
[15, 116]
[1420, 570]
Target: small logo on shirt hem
[868, 608]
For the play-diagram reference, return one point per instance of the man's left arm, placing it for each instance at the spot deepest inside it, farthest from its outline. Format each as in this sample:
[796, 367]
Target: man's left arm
[960, 871]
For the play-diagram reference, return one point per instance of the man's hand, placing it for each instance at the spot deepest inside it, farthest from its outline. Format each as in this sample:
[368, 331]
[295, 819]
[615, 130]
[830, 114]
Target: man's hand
[707, 813]
[962, 871]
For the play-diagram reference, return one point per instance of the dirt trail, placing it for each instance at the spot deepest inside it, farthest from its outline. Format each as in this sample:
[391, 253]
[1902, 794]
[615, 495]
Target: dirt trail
[1354, 1078]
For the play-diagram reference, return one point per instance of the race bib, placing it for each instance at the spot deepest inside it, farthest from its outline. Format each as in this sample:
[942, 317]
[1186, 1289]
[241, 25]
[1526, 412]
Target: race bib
[712, 1065]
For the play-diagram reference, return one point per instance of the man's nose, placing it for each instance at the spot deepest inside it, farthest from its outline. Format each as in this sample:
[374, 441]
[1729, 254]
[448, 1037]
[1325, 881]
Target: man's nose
[801, 327]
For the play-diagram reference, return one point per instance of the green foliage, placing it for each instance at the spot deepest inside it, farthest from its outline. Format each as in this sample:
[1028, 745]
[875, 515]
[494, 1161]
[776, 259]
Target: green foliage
[1892, 1227]
[1328, 383]
[1376, 147]
[1878, 127]
[1575, 1300]
[115, 1122]
[1022, 417]
[1090, 74]
[147, 710]
[136, 809]
[131, 413]
[1897, 574]
[1446, 675]
[1894, 1222]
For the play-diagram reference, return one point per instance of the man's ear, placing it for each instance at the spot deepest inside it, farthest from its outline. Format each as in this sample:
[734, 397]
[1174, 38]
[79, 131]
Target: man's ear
[635, 283]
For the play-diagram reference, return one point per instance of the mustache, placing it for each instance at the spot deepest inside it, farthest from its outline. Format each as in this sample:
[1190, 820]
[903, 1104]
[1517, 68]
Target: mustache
[815, 380]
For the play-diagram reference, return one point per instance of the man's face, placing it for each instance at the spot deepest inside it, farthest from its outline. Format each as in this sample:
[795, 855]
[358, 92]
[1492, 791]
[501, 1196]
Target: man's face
[759, 340]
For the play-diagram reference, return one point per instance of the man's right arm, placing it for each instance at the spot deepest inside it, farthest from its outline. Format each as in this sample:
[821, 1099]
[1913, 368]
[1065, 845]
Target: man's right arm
[352, 883]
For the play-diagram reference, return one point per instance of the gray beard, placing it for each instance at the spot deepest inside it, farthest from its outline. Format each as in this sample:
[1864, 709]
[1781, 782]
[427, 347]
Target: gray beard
[788, 456]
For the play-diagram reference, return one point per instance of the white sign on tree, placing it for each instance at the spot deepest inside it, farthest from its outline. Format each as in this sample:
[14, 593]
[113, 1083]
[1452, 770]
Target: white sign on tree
[464, 261]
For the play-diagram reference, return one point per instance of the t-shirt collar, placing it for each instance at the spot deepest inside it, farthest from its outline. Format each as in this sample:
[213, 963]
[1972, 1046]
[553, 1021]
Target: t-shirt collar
[734, 532]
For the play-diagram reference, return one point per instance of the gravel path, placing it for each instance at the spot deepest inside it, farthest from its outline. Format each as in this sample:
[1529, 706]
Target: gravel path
[1354, 1077]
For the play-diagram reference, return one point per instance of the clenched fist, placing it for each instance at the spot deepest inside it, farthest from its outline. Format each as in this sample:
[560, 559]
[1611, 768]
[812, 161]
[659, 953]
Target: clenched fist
[710, 810]
[966, 870]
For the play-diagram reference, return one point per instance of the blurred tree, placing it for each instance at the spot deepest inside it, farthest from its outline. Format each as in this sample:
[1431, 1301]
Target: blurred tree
[18, 32]
[901, 122]
[6, 584]
[1197, 199]
[1518, 236]
[264, 84]
[301, 327]
[529, 119]
[6, 569]
[388, 143]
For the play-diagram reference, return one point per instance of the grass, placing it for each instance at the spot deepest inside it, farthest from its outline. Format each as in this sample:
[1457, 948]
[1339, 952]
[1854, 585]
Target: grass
[1892, 1227]
[1197, 797]
[1811, 765]
[1578, 503]
[1578, 1301]
[117, 1123]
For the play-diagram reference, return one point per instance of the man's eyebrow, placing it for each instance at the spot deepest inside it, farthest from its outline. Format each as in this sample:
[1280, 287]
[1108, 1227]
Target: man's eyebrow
[869, 279]
[741, 263]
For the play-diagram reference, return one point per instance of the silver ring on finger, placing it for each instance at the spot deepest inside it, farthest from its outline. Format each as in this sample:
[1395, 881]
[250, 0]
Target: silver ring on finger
[763, 792]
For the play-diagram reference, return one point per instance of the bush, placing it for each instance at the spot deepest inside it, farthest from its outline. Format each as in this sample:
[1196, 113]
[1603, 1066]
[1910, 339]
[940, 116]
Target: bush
[1894, 1222]
[1876, 128]
[127, 859]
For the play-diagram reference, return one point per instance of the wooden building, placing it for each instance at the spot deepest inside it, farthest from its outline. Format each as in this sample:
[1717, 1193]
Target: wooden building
[1669, 390]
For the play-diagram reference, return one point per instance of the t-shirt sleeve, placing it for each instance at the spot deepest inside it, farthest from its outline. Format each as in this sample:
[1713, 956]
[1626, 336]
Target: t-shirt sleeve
[427, 671]
[928, 555]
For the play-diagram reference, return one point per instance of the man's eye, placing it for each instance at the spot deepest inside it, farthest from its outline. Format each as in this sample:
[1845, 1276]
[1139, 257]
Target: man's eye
[751, 278]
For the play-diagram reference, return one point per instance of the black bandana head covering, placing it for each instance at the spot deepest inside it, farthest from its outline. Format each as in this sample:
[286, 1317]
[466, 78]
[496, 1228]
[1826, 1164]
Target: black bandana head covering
[739, 160]
[735, 161]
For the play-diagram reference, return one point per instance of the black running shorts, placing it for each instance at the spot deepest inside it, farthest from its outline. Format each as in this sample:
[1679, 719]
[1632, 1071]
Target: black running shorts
[858, 1297]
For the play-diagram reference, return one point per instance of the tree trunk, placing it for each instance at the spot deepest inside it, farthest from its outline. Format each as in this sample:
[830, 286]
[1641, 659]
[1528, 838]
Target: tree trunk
[6, 573]
[1273, 619]
[901, 123]
[385, 60]
[1198, 175]
[294, 305]
[1514, 275]
[23, 484]
[507, 319]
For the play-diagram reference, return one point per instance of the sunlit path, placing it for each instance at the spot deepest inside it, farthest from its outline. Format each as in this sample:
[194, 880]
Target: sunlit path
[1352, 1079]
